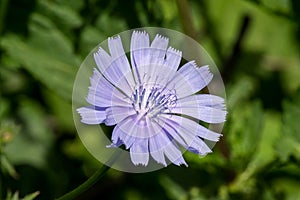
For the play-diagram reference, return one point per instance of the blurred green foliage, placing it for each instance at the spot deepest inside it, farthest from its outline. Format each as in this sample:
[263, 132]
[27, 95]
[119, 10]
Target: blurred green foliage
[256, 45]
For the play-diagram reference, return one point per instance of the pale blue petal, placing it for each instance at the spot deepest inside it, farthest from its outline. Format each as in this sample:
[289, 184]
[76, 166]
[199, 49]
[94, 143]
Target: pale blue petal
[199, 147]
[131, 129]
[137, 126]
[155, 70]
[174, 154]
[115, 68]
[156, 150]
[120, 61]
[164, 68]
[158, 49]
[116, 114]
[186, 138]
[189, 133]
[173, 58]
[149, 62]
[203, 107]
[161, 144]
[190, 79]
[157, 144]
[144, 136]
[120, 137]
[188, 128]
[207, 100]
[139, 42]
[102, 94]
[102, 59]
[139, 152]
[91, 116]
[116, 144]
[167, 126]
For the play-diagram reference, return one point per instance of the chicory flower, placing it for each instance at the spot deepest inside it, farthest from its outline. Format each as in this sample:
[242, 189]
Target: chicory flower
[154, 104]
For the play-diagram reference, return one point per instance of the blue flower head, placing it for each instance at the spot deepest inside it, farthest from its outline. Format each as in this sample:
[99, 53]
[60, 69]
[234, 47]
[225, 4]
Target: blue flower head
[153, 103]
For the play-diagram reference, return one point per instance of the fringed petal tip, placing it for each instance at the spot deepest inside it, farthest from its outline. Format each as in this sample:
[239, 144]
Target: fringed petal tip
[180, 162]
[172, 50]
[91, 116]
[140, 159]
[115, 37]
[160, 41]
[139, 32]
[205, 73]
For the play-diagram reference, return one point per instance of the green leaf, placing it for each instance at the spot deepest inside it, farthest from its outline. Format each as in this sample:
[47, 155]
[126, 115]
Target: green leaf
[289, 145]
[62, 14]
[47, 55]
[62, 110]
[245, 130]
[74, 5]
[90, 38]
[31, 196]
[239, 92]
[45, 36]
[33, 143]
[53, 73]
[15, 196]
[289, 188]
[7, 167]
[264, 154]
[11, 196]
[104, 23]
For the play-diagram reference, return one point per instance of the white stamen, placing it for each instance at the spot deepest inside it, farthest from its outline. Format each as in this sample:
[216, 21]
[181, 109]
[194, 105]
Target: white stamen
[151, 100]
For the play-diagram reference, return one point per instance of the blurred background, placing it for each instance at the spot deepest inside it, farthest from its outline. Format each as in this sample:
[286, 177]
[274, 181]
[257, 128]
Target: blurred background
[255, 44]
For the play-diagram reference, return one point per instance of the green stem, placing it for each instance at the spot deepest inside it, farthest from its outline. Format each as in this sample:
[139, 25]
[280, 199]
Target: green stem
[86, 185]
[91, 181]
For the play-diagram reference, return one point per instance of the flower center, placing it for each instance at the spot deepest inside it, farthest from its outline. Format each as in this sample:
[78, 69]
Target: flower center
[152, 100]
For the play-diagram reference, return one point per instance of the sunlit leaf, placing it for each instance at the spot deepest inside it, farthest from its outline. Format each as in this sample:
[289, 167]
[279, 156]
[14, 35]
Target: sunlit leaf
[31, 196]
